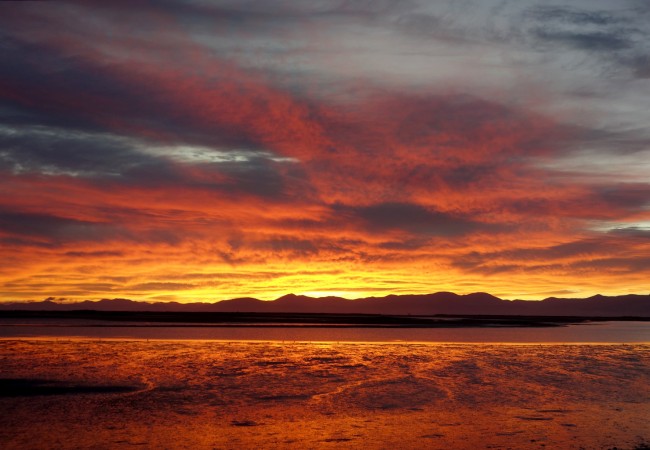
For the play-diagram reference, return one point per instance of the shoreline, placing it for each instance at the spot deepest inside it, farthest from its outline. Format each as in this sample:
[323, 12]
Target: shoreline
[288, 342]
[304, 320]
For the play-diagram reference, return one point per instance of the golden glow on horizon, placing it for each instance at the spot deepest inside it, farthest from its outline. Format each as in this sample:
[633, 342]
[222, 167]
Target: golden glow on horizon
[153, 280]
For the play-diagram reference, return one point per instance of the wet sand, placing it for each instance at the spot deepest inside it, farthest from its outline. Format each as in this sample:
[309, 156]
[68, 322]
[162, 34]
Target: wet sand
[207, 394]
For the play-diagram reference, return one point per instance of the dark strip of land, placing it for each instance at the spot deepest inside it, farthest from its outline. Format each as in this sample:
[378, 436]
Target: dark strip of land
[148, 318]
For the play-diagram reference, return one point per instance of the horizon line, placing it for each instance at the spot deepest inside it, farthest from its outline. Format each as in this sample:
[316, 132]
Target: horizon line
[63, 300]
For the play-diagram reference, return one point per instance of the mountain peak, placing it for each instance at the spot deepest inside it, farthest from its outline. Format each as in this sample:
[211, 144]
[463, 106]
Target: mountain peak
[289, 296]
[481, 296]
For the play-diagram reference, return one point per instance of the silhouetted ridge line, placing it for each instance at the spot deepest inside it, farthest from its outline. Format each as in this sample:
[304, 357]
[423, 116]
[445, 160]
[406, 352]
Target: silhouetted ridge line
[478, 303]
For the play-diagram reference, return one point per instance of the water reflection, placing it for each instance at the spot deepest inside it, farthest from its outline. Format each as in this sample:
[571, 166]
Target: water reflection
[598, 332]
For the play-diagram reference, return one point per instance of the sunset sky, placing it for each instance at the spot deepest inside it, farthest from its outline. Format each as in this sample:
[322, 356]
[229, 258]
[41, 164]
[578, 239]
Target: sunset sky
[204, 150]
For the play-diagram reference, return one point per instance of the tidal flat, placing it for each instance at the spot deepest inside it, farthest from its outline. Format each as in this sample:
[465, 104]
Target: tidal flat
[85, 393]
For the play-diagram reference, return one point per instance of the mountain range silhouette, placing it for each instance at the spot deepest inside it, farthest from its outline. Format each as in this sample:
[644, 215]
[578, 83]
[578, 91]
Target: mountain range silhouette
[478, 303]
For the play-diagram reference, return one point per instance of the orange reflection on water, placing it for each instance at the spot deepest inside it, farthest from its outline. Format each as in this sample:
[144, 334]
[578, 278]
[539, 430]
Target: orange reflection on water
[183, 394]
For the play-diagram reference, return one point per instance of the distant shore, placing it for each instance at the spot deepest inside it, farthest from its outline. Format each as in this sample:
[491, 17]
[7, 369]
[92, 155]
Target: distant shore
[306, 320]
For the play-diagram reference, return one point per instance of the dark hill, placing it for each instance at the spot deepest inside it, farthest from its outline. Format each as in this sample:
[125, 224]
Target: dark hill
[479, 303]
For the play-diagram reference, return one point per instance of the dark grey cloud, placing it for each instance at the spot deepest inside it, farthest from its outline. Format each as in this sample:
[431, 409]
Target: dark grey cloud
[639, 65]
[601, 32]
[61, 151]
[281, 11]
[423, 25]
[294, 247]
[62, 122]
[611, 251]
[463, 118]
[55, 228]
[289, 247]
[631, 232]
[583, 248]
[73, 92]
[591, 41]
[467, 175]
[602, 201]
[263, 177]
[606, 141]
[409, 217]
[29, 242]
[584, 26]
[52, 231]
[576, 16]
[520, 259]
[42, 71]
[108, 158]
[633, 264]
[628, 196]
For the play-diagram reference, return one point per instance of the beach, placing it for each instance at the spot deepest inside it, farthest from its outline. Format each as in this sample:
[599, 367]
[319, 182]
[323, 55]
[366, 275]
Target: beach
[85, 393]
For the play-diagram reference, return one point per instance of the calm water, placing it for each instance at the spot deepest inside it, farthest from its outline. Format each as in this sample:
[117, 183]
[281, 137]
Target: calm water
[598, 332]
